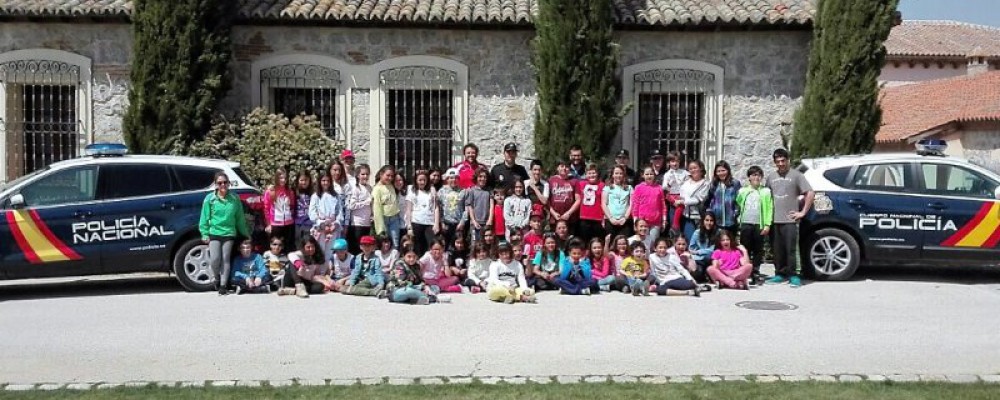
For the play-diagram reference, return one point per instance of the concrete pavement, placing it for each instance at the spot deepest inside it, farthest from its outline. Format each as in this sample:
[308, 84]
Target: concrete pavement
[148, 330]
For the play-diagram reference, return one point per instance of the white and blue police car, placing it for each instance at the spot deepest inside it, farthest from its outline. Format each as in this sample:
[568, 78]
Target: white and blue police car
[109, 212]
[922, 208]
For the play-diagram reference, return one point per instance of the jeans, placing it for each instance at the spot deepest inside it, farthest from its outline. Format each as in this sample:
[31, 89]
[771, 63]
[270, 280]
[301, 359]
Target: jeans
[574, 286]
[690, 225]
[407, 294]
[784, 240]
[676, 284]
[392, 226]
[608, 281]
[220, 253]
[264, 283]
[590, 229]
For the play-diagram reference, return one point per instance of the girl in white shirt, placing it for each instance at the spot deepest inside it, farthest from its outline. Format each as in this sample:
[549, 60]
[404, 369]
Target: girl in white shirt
[422, 212]
[506, 282]
[359, 206]
[670, 269]
[327, 215]
[693, 193]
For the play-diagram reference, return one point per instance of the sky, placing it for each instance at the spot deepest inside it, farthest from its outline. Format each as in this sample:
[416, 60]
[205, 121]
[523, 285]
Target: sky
[984, 12]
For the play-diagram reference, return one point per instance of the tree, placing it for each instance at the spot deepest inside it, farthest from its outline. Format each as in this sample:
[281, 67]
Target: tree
[840, 113]
[575, 61]
[179, 71]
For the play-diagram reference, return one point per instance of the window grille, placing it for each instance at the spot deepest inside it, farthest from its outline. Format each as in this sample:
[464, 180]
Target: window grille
[40, 121]
[420, 117]
[675, 112]
[293, 89]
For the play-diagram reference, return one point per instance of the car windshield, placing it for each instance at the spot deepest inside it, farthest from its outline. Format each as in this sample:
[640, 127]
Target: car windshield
[14, 182]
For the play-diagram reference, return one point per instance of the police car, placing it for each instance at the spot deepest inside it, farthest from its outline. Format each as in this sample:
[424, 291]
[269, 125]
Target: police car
[920, 208]
[109, 213]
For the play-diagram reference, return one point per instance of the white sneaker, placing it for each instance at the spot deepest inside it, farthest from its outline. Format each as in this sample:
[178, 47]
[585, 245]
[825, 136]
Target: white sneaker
[585, 292]
[443, 298]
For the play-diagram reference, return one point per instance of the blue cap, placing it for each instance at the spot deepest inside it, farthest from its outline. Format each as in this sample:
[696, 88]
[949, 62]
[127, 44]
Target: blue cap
[339, 245]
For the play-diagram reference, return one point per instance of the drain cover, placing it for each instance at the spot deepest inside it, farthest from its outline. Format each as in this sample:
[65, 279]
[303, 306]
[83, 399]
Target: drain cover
[767, 305]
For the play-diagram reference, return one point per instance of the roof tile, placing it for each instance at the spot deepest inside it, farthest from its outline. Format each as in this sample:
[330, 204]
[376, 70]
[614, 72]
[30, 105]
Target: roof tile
[942, 39]
[632, 12]
[916, 108]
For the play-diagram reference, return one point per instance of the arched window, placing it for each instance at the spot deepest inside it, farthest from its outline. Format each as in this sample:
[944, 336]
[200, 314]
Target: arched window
[421, 107]
[677, 106]
[44, 108]
[317, 85]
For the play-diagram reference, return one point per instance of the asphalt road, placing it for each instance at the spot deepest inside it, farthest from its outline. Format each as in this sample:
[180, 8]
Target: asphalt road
[929, 321]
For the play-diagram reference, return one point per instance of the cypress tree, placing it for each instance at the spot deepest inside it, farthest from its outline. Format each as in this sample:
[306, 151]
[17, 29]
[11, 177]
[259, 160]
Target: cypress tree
[840, 113]
[575, 60]
[179, 71]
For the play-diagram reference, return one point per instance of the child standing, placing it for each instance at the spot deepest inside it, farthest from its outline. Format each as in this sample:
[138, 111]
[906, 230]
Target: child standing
[326, 214]
[591, 207]
[545, 265]
[617, 205]
[635, 270]
[574, 272]
[279, 206]
[303, 195]
[673, 178]
[537, 189]
[721, 199]
[479, 206]
[564, 201]
[422, 213]
[359, 205]
[435, 272]
[730, 264]
[451, 210]
[479, 269]
[498, 224]
[669, 269]
[533, 239]
[516, 211]
[367, 278]
[250, 275]
[506, 282]
[648, 203]
[385, 206]
[756, 214]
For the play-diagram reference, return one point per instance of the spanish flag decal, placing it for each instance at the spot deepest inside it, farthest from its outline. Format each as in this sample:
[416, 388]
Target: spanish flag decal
[35, 239]
[982, 231]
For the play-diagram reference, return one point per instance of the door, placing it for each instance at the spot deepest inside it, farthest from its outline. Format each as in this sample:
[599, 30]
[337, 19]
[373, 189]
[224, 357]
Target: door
[143, 217]
[48, 235]
[963, 215]
[888, 212]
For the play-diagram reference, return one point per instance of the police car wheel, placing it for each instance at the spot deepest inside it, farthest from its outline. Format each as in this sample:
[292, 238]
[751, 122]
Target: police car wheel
[832, 254]
[192, 267]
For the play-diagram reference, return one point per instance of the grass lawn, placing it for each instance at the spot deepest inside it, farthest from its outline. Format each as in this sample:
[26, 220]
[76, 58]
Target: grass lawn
[697, 390]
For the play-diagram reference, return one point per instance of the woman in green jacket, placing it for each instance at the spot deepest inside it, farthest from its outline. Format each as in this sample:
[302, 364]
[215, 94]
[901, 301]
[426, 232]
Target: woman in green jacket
[222, 221]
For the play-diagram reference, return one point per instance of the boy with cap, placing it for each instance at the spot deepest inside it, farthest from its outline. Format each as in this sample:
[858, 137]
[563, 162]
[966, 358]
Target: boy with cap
[367, 278]
[342, 263]
[347, 158]
[450, 220]
[509, 171]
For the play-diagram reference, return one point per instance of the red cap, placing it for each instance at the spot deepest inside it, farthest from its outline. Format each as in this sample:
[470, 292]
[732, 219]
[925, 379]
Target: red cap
[368, 240]
[347, 153]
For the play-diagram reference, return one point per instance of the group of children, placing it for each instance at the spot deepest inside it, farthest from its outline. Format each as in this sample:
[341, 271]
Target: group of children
[673, 233]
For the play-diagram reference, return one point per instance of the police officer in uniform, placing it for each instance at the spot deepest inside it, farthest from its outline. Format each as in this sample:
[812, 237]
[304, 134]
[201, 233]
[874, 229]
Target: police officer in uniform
[506, 173]
[622, 158]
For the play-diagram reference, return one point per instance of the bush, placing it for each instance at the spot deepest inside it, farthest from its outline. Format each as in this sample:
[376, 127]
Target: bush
[263, 142]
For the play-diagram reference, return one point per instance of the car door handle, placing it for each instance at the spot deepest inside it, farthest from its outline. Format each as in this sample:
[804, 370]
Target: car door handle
[856, 202]
[83, 214]
[169, 205]
[936, 206]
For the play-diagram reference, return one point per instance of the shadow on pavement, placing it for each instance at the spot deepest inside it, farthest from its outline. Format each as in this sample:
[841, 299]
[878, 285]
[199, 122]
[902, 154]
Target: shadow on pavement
[953, 275]
[87, 287]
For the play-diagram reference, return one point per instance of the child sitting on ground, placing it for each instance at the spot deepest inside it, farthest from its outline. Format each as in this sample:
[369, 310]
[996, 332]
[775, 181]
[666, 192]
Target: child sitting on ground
[386, 255]
[574, 272]
[730, 265]
[435, 272]
[367, 278]
[405, 284]
[479, 269]
[342, 263]
[506, 282]
[276, 260]
[670, 268]
[250, 275]
[545, 266]
[635, 270]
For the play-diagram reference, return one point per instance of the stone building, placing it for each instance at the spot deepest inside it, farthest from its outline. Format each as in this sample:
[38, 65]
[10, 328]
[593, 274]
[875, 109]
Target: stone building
[411, 81]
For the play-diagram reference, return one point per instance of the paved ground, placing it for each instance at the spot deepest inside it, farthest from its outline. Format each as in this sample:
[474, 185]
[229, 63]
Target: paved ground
[887, 322]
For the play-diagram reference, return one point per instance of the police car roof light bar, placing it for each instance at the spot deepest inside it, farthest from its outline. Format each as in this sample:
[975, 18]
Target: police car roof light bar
[931, 147]
[105, 150]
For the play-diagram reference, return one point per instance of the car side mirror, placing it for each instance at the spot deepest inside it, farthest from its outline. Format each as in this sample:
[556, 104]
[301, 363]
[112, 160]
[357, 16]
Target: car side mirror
[17, 201]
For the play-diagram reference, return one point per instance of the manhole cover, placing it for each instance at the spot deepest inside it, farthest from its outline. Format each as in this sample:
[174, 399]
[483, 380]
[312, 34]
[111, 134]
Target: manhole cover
[767, 305]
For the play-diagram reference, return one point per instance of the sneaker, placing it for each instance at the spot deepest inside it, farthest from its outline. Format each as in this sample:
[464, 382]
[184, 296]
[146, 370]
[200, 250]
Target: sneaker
[443, 298]
[239, 290]
[529, 298]
[795, 282]
[776, 280]
[286, 291]
[508, 299]
[382, 294]
[626, 289]
[476, 290]
[585, 291]
[423, 301]
[223, 291]
[636, 290]
[267, 289]
[696, 292]
[645, 288]
[466, 290]
[605, 288]
[300, 290]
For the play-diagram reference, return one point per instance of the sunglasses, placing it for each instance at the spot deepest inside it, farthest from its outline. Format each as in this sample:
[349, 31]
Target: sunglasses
[221, 183]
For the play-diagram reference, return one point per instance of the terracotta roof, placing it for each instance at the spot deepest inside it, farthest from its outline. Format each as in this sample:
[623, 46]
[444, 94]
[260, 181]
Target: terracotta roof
[943, 39]
[629, 12]
[917, 108]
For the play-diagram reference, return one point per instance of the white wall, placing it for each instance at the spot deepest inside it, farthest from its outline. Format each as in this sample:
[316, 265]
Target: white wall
[902, 75]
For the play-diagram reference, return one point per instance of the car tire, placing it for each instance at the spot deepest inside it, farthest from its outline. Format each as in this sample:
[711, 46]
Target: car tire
[831, 254]
[191, 265]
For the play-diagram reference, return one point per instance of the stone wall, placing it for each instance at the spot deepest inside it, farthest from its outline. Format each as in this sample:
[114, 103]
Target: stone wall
[109, 47]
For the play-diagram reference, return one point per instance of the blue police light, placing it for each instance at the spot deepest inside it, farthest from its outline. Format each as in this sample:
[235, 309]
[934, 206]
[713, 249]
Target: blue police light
[105, 149]
[931, 147]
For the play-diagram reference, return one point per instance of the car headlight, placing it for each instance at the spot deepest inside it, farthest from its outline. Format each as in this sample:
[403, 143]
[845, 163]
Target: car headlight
[822, 203]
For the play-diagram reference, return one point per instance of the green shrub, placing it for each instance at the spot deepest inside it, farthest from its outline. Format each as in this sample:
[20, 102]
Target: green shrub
[263, 142]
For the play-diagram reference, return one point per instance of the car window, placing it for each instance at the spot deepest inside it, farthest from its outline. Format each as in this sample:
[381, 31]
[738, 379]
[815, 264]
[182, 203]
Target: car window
[133, 180]
[243, 176]
[887, 177]
[952, 180]
[73, 185]
[837, 175]
[194, 178]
